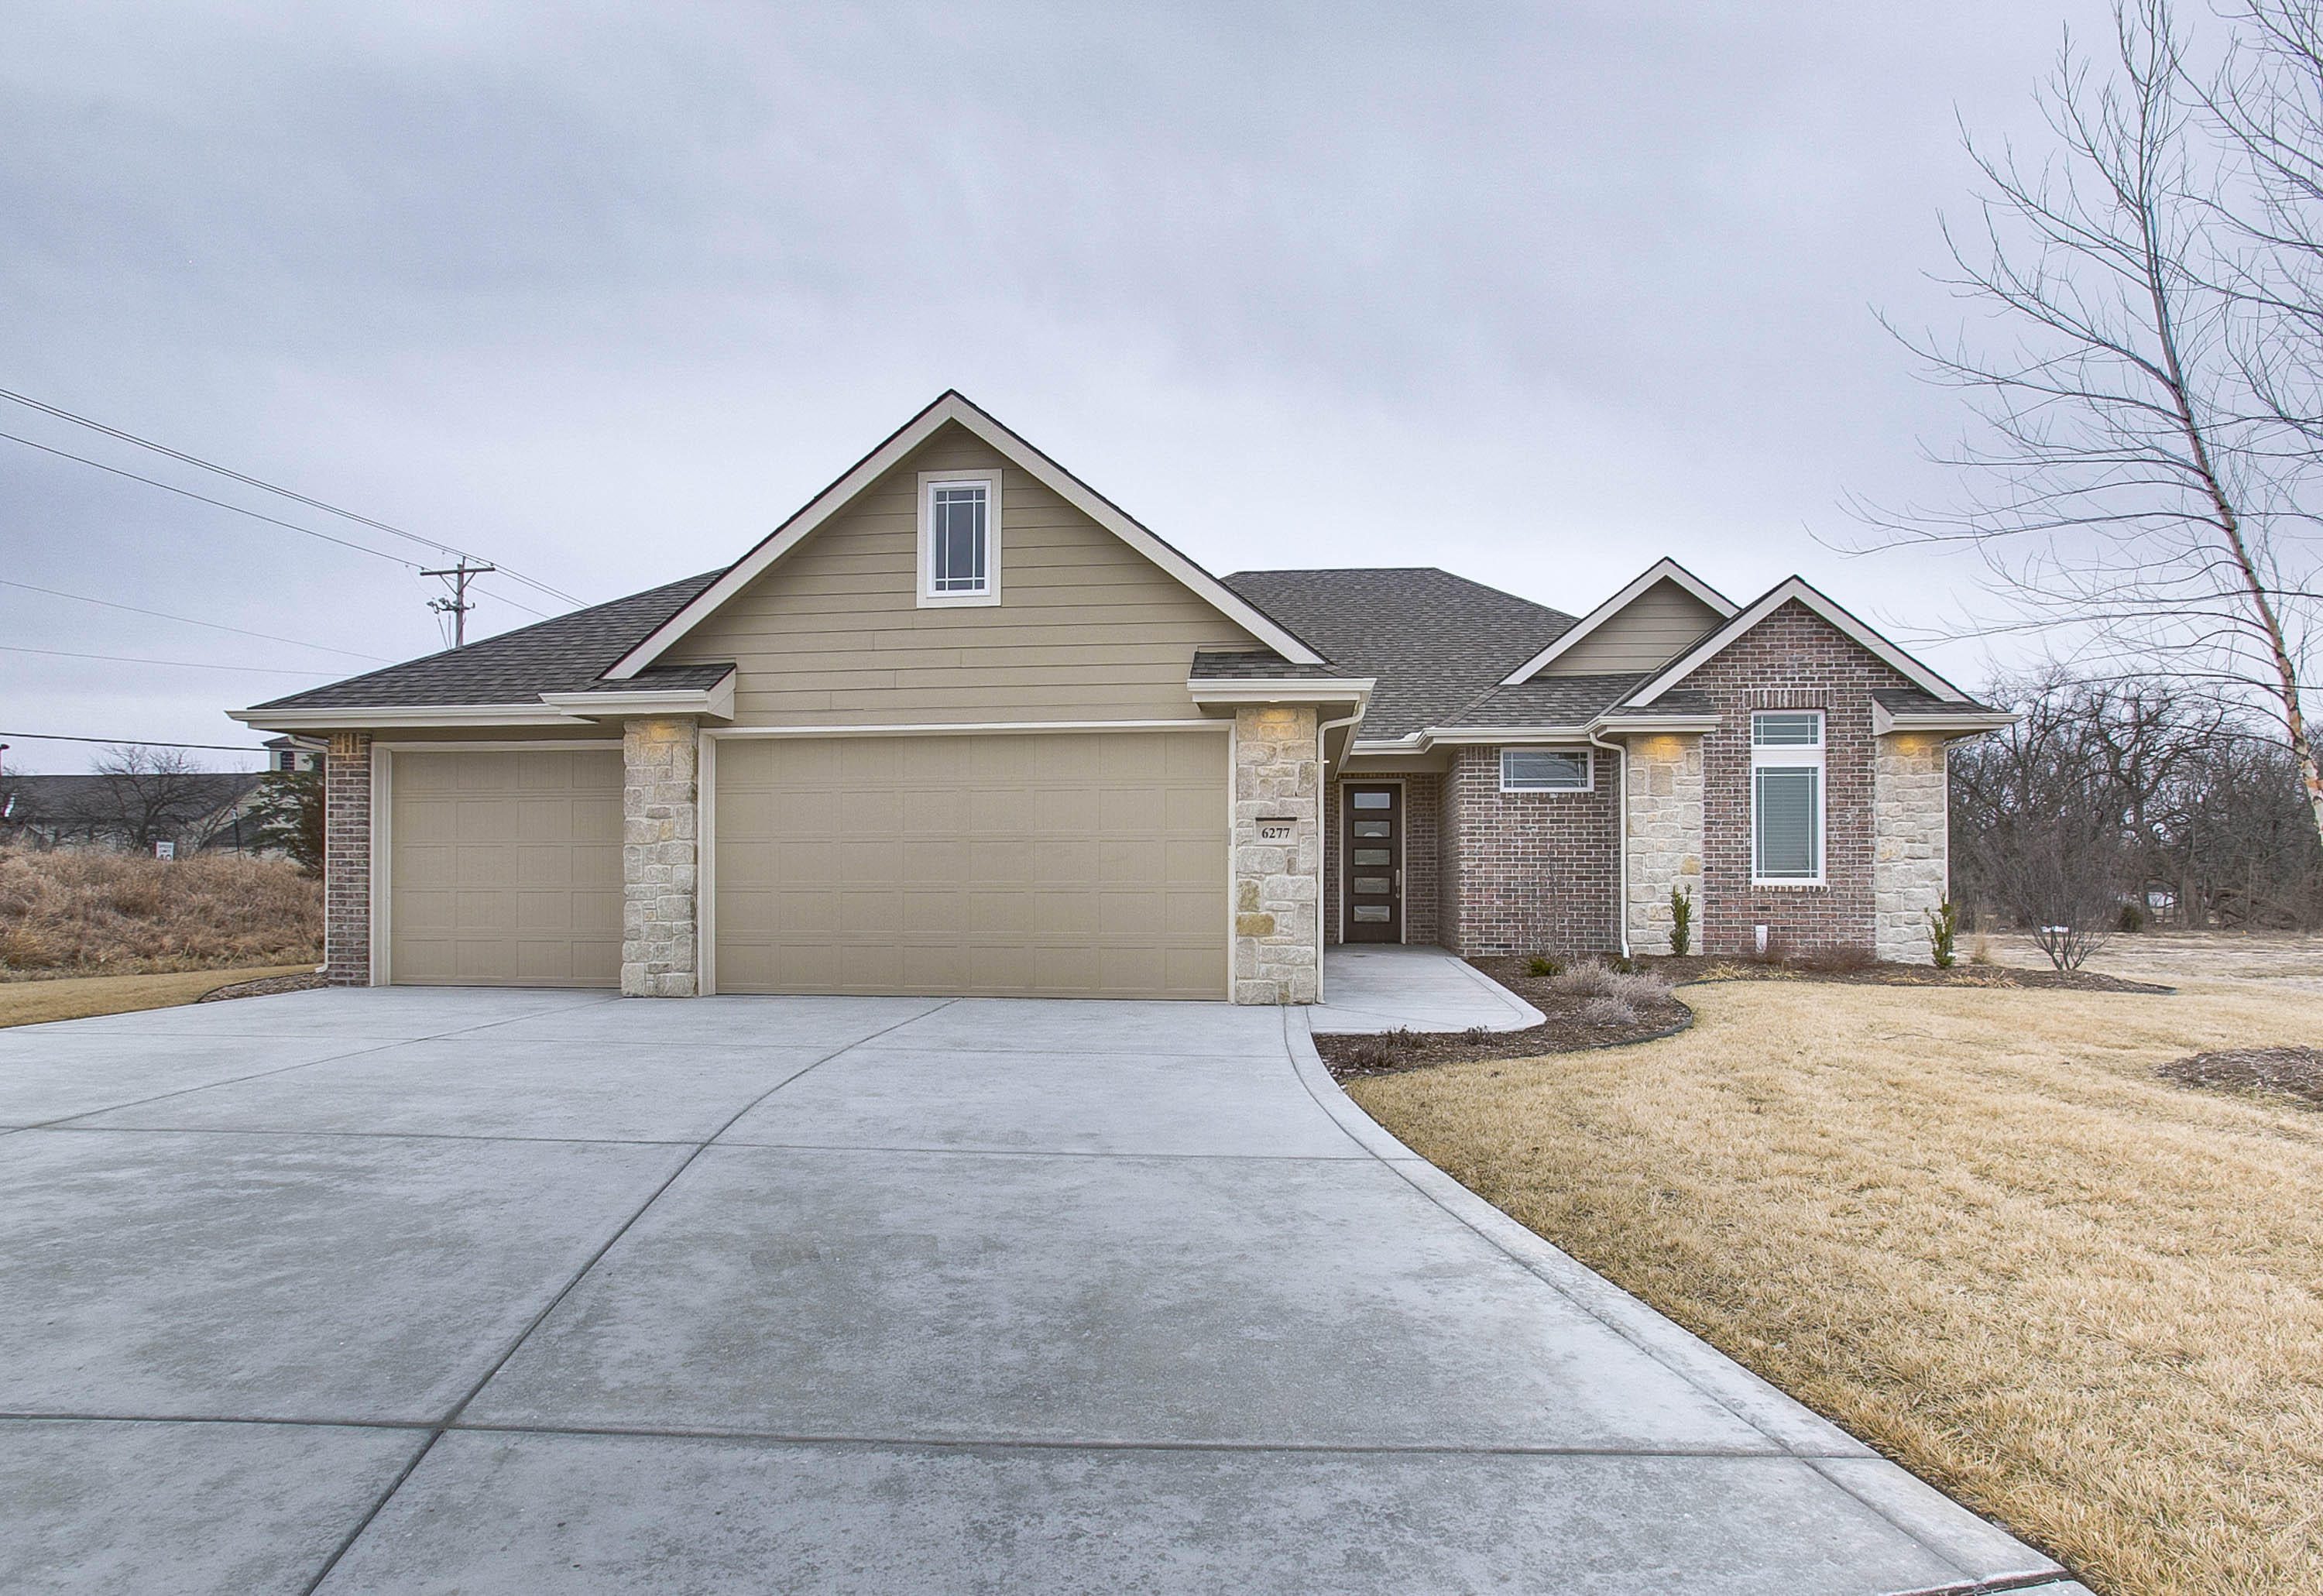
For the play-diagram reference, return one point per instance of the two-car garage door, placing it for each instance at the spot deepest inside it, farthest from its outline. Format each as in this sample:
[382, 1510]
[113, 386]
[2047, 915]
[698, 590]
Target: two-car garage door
[1087, 863]
[1079, 863]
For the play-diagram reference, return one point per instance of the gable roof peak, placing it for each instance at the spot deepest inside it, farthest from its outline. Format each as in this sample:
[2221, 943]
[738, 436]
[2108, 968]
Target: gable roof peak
[1661, 570]
[953, 408]
[1794, 589]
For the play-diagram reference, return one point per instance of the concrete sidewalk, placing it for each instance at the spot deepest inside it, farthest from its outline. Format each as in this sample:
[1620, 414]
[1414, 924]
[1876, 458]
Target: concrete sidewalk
[1381, 988]
[522, 1291]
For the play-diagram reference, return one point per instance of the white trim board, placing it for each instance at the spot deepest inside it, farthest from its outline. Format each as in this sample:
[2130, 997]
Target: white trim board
[1791, 588]
[1662, 570]
[926, 728]
[951, 409]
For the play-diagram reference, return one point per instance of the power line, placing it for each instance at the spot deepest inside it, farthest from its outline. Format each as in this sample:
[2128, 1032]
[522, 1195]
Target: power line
[188, 621]
[130, 742]
[360, 548]
[184, 665]
[195, 460]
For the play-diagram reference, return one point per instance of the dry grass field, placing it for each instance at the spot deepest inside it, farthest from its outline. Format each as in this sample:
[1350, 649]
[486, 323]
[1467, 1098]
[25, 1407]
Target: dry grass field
[67, 914]
[1975, 1229]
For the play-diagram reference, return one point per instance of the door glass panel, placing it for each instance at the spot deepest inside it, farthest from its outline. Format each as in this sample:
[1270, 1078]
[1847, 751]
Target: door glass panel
[1371, 911]
[1378, 884]
[1374, 828]
[1375, 856]
[1374, 799]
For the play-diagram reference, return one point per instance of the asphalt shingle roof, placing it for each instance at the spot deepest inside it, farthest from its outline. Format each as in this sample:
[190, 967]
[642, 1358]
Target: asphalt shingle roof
[1911, 700]
[1261, 665]
[566, 654]
[1435, 641]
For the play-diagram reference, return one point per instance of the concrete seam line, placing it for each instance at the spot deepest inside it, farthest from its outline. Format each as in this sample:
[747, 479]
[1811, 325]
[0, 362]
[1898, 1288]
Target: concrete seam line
[2031, 1580]
[401, 1041]
[435, 1433]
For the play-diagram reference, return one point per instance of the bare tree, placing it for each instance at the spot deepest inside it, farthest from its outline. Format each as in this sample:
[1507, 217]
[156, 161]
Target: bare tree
[149, 795]
[2132, 489]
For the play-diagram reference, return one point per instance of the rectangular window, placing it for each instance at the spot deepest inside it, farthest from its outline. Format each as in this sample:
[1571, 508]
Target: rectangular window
[959, 537]
[1545, 770]
[1787, 770]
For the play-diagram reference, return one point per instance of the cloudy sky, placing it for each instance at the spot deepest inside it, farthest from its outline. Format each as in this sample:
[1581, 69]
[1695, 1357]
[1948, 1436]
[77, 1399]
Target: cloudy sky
[1534, 293]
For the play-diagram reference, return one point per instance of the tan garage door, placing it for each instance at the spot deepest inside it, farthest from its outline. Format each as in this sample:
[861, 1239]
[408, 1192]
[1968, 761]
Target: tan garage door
[1077, 865]
[505, 869]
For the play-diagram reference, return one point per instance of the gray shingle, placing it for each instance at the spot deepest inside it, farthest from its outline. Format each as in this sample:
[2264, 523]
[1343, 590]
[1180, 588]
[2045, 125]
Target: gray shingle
[1911, 700]
[1547, 700]
[1435, 641]
[566, 654]
[1263, 665]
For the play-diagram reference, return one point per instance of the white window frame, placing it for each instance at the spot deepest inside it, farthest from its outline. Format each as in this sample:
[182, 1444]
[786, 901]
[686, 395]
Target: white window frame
[1792, 756]
[1588, 764]
[989, 593]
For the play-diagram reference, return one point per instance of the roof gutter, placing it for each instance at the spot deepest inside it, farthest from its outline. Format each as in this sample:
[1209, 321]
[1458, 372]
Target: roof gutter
[1620, 752]
[1958, 722]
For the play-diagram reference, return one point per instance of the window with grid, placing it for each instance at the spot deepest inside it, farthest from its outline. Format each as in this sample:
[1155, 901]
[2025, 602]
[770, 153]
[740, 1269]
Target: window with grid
[1787, 797]
[959, 533]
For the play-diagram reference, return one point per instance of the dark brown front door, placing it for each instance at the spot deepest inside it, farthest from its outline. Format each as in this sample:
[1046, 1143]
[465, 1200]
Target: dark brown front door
[1375, 864]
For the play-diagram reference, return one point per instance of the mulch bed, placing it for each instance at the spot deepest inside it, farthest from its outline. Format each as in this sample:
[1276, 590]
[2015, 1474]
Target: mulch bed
[1566, 1029]
[265, 988]
[1696, 966]
[2296, 1073]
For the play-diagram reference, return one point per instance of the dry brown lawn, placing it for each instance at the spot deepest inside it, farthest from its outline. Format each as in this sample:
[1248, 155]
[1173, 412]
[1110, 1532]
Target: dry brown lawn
[64, 914]
[31, 1003]
[1972, 1228]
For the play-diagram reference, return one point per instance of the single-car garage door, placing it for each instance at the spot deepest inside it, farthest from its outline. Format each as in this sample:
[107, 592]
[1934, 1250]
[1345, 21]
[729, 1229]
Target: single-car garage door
[505, 869]
[1073, 865]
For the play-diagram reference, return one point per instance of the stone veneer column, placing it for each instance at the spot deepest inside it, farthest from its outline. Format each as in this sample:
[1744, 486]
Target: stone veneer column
[1664, 835]
[347, 859]
[660, 847]
[1909, 834]
[1277, 882]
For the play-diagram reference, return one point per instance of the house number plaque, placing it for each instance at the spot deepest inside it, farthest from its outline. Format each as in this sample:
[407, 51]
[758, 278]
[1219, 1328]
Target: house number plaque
[1271, 830]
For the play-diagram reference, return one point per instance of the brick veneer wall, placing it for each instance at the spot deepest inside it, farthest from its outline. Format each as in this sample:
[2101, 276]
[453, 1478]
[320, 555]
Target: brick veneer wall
[1422, 823]
[346, 860]
[1791, 660]
[1527, 872]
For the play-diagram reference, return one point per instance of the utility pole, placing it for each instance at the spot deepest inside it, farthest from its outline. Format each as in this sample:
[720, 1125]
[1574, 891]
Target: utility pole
[457, 606]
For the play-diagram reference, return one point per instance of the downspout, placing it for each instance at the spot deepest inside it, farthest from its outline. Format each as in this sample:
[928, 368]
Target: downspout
[1323, 728]
[1620, 751]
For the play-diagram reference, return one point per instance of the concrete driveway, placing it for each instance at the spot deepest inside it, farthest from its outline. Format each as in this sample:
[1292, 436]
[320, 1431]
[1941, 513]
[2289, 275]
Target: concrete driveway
[521, 1291]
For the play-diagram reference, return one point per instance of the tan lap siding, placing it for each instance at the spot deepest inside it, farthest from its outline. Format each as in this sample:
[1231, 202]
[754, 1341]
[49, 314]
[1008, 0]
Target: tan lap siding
[1086, 628]
[1067, 864]
[505, 869]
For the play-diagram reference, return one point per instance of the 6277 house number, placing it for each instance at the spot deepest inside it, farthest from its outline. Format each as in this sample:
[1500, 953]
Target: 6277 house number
[1275, 831]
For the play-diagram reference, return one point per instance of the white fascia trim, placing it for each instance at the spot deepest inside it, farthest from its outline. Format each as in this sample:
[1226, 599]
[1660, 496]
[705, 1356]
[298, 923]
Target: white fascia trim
[1662, 570]
[1794, 587]
[951, 408]
[1885, 721]
[959, 728]
[356, 717]
[1512, 735]
[715, 702]
[1281, 690]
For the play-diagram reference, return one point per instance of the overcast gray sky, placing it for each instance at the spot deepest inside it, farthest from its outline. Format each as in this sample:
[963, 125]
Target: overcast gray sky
[1536, 294]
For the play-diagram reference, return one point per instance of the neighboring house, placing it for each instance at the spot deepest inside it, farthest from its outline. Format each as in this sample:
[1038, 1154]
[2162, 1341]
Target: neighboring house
[962, 726]
[189, 810]
[289, 756]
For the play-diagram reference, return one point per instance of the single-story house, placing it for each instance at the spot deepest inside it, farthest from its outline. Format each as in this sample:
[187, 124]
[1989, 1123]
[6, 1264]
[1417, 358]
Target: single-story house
[961, 725]
[190, 810]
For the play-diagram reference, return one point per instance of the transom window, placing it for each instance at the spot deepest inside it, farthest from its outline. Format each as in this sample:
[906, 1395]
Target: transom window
[1545, 770]
[959, 542]
[1787, 797]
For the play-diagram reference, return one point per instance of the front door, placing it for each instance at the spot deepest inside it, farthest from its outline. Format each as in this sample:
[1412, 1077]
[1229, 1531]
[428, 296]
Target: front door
[1375, 864]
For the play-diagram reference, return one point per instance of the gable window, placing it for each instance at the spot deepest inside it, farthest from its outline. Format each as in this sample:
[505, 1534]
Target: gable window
[1545, 770]
[959, 537]
[1787, 797]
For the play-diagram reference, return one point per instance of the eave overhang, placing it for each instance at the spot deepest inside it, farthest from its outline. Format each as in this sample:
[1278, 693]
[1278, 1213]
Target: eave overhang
[1947, 722]
[1283, 690]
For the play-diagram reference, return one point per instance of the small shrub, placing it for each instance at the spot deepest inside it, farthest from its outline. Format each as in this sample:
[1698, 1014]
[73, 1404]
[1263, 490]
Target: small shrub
[1583, 978]
[1609, 1010]
[1775, 952]
[1943, 930]
[1476, 1035]
[2132, 918]
[1635, 986]
[1681, 922]
[1543, 968]
[1621, 964]
[1839, 959]
[1980, 950]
